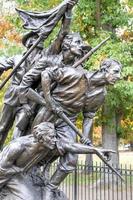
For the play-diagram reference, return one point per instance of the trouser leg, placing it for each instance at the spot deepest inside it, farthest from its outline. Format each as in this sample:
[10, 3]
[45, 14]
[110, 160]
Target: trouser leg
[23, 120]
[16, 133]
[67, 162]
[21, 123]
[66, 165]
[44, 115]
[6, 122]
[54, 183]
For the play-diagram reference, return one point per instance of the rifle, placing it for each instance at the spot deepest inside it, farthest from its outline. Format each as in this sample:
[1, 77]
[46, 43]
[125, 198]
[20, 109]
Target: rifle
[68, 121]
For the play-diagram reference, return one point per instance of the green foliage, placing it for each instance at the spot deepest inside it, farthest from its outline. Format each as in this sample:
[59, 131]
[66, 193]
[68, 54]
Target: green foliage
[121, 96]
[16, 22]
[11, 50]
[130, 2]
[22, 1]
[1, 99]
[37, 5]
[113, 13]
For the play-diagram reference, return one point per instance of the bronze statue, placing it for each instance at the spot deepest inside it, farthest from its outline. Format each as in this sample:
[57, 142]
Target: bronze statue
[49, 88]
[74, 90]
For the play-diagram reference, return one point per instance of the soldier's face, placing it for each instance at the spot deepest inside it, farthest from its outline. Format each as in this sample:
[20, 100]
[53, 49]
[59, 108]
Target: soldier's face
[74, 47]
[113, 73]
[49, 140]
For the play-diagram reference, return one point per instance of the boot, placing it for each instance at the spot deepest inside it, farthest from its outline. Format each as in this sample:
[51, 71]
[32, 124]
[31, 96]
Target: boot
[55, 181]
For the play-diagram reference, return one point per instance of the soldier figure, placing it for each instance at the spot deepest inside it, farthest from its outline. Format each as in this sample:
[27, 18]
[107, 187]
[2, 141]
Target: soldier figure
[12, 110]
[73, 94]
[25, 152]
[56, 87]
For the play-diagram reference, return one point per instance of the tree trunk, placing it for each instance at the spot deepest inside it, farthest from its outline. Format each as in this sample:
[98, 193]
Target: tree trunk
[98, 14]
[109, 134]
[131, 146]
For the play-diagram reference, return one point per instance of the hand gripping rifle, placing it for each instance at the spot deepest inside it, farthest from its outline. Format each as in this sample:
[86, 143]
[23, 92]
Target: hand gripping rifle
[68, 121]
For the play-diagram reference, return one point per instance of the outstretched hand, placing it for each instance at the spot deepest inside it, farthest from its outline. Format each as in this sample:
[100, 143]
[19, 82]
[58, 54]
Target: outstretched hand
[107, 153]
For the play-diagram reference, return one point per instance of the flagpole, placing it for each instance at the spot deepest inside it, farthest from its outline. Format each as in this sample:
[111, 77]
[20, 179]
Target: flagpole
[41, 37]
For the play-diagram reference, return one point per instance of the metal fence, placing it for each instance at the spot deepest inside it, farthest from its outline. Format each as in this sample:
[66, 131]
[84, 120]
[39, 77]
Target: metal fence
[98, 183]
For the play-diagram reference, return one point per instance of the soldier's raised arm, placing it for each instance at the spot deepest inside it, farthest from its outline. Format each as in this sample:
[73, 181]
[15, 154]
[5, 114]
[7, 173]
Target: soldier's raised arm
[55, 47]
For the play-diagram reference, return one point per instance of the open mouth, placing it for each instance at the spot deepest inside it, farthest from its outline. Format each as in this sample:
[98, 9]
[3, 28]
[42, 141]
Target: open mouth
[113, 81]
[76, 51]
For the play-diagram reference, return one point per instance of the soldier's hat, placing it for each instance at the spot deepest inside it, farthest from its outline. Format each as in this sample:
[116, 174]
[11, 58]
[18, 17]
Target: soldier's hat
[27, 36]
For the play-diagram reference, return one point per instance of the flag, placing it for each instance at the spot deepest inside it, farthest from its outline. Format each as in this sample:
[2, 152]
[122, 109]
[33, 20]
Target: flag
[46, 20]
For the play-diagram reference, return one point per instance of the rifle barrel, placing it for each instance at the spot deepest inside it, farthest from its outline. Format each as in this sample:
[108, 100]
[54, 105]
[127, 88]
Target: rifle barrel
[105, 162]
[35, 160]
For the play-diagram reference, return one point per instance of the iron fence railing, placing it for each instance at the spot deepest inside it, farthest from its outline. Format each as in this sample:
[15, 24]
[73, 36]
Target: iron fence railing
[97, 182]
